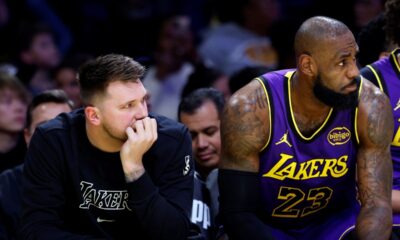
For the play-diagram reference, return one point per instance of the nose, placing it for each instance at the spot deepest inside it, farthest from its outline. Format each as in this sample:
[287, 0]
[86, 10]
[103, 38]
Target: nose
[142, 111]
[202, 141]
[353, 71]
[20, 105]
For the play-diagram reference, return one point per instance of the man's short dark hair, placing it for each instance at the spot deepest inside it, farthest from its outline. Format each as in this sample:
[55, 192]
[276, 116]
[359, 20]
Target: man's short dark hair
[95, 75]
[48, 96]
[198, 97]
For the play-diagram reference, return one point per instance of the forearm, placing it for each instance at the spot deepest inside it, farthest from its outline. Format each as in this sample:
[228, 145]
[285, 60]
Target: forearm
[155, 212]
[374, 222]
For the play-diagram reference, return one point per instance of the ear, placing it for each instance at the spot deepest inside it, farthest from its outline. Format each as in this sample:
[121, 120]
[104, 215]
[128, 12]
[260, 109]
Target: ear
[307, 65]
[92, 115]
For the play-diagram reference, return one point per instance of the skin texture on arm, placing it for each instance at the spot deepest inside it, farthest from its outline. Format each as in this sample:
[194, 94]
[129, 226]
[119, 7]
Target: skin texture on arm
[374, 164]
[245, 128]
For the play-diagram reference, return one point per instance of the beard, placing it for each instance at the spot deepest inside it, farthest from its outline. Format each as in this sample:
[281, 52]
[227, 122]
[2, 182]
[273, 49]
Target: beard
[336, 100]
[113, 133]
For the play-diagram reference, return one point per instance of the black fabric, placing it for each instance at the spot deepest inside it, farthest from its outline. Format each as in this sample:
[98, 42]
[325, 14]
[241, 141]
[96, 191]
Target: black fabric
[15, 156]
[73, 190]
[10, 202]
[239, 201]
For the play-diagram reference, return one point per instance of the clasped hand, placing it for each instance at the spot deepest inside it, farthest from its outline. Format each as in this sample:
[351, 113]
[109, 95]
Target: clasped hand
[141, 136]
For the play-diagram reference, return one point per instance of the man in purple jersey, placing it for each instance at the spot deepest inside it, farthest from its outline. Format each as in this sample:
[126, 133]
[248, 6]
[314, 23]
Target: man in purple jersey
[385, 73]
[294, 143]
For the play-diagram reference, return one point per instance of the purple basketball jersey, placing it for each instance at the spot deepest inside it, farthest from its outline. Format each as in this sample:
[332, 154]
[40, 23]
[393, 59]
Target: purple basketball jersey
[308, 183]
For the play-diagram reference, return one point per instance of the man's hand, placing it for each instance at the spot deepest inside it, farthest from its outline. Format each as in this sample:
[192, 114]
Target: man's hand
[141, 137]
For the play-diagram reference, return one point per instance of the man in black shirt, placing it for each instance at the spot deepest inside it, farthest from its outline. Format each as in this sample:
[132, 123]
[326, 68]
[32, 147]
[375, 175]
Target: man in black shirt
[109, 170]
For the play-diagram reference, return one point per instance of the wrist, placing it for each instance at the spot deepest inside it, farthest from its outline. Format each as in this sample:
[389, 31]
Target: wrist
[134, 174]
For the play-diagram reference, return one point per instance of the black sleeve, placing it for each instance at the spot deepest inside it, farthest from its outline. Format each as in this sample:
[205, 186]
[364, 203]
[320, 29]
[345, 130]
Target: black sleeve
[164, 209]
[239, 201]
[43, 197]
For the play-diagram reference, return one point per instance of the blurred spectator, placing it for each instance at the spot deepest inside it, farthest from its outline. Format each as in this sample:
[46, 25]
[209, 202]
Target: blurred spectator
[365, 11]
[38, 55]
[242, 39]
[203, 77]
[142, 18]
[165, 80]
[13, 103]
[43, 107]
[44, 12]
[65, 76]
[244, 76]
[372, 42]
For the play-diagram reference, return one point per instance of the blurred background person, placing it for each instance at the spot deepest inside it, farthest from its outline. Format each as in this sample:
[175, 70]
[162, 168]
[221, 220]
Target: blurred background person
[166, 78]
[14, 99]
[66, 77]
[44, 106]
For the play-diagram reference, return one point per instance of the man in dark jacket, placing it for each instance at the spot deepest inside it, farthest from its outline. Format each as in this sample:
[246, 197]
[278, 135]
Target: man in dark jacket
[109, 170]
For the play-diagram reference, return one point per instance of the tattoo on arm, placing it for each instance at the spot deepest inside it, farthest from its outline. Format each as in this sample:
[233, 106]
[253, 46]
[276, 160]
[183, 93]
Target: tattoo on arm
[244, 128]
[375, 168]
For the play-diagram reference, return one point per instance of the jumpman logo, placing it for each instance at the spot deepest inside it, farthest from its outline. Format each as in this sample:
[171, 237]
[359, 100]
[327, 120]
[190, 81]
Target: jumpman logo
[397, 105]
[284, 140]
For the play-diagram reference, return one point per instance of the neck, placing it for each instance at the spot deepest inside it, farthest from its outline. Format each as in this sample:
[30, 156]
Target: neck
[98, 138]
[303, 98]
[8, 141]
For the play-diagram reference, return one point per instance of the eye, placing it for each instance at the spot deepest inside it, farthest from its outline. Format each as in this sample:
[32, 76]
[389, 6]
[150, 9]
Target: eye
[210, 131]
[128, 105]
[342, 63]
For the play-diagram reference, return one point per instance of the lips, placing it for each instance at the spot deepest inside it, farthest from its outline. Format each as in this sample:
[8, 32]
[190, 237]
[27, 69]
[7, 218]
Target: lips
[350, 88]
[205, 156]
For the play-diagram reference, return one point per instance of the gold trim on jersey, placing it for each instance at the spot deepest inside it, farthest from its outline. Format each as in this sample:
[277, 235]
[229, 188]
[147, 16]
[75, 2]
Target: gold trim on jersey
[289, 75]
[346, 231]
[269, 114]
[356, 112]
[397, 105]
[378, 79]
[393, 55]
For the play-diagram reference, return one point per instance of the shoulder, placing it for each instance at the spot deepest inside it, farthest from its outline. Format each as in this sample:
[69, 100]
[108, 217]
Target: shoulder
[169, 129]
[245, 127]
[374, 119]
[370, 94]
[248, 99]
[58, 130]
[63, 122]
